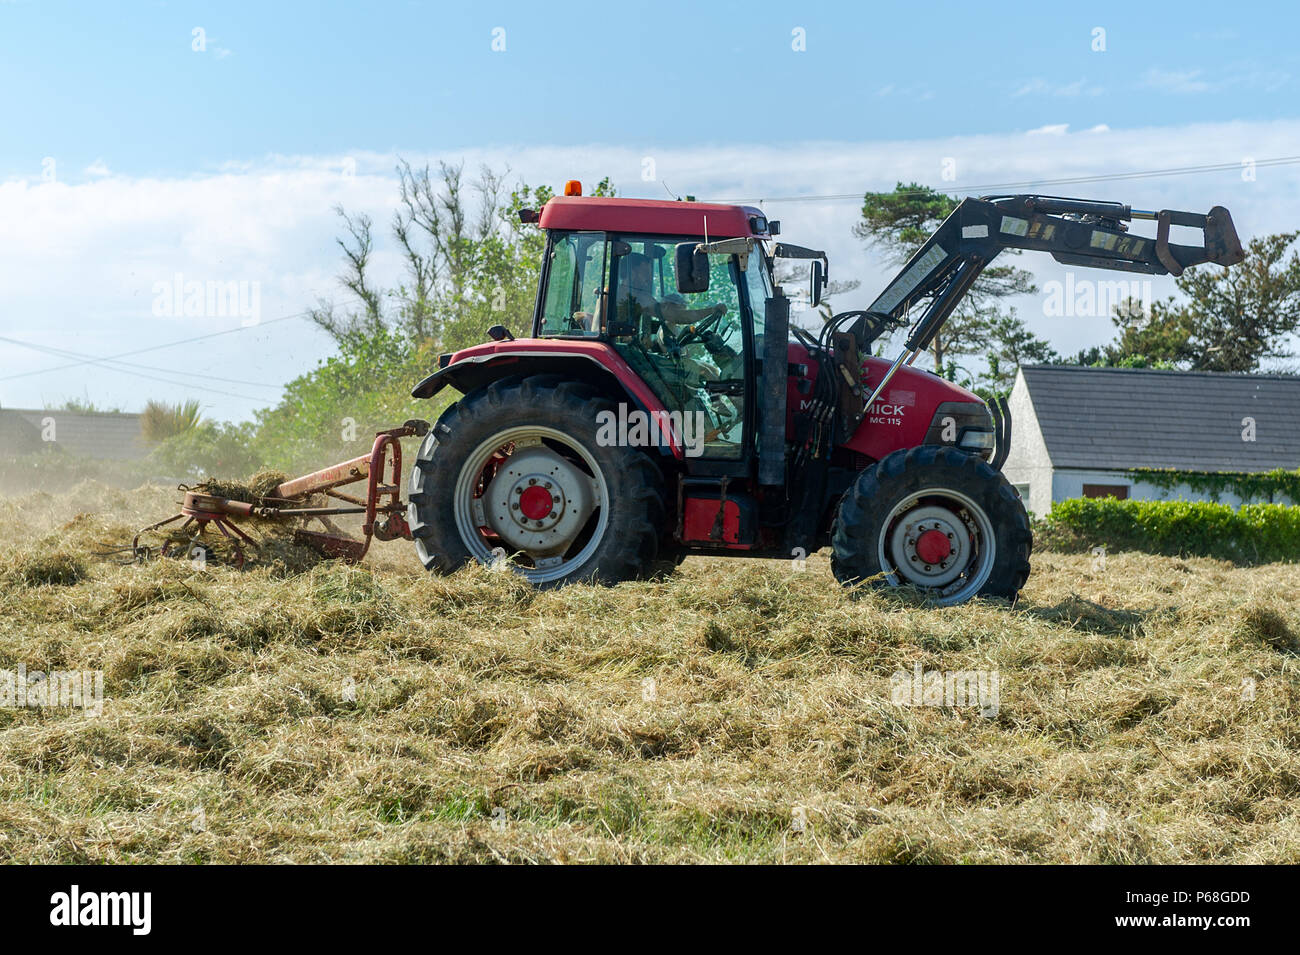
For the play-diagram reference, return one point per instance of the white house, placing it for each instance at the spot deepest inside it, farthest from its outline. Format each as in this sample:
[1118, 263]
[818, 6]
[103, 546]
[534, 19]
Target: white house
[1077, 431]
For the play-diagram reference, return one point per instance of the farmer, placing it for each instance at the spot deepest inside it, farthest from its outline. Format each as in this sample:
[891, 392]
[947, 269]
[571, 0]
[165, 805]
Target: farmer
[675, 320]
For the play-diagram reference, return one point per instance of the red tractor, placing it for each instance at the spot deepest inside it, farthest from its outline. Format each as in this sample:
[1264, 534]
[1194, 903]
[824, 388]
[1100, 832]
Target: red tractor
[664, 404]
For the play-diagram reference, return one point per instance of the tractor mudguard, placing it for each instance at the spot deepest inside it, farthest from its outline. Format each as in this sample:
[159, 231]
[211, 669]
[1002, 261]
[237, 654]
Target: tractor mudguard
[594, 361]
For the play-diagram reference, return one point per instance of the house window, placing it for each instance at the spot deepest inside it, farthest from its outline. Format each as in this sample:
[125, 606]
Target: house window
[1106, 490]
[1022, 491]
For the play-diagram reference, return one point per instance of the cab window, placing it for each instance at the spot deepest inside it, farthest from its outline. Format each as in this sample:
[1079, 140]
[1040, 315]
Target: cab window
[575, 284]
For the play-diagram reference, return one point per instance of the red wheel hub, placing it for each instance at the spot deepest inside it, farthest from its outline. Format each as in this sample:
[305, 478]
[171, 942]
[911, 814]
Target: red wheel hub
[535, 503]
[933, 547]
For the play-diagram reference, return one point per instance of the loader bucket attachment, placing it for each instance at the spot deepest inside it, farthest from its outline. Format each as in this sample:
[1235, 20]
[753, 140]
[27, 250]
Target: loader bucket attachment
[1073, 231]
[1221, 242]
[1221, 245]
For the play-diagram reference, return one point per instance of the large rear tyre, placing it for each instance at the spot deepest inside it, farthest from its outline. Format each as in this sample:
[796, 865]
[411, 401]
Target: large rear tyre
[514, 470]
[935, 518]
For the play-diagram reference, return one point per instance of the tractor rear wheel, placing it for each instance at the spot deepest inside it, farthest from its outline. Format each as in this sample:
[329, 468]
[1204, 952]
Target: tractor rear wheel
[935, 518]
[514, 470]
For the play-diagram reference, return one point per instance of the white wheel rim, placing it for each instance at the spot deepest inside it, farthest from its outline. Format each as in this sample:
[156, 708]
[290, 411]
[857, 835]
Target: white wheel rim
[480, 507]
[973, 544]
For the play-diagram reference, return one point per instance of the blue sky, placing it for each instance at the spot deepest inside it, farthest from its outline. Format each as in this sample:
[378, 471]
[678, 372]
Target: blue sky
[127, 157]
[120, 82]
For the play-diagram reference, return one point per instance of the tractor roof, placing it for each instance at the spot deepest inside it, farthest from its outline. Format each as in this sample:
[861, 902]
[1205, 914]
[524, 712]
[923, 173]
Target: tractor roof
[655, 216]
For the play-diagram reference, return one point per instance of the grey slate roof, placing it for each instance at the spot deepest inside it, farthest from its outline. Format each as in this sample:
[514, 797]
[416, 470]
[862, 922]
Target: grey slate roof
[18, 435]
[1118, 418]
[99, 435]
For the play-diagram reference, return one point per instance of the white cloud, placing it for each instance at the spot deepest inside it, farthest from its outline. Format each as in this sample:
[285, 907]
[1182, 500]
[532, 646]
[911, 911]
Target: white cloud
[1175, 81]
[1055, 129]
[1235, 76]
[97, 169]
[1269, 81]
[909, 92]
[82, 259]
[1041, 87]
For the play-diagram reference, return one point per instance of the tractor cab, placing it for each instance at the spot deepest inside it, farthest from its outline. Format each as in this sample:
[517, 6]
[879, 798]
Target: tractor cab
[689, 324]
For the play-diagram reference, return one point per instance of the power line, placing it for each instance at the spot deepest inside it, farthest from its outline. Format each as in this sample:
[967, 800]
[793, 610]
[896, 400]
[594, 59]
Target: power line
[134, 374]
[66, 353]
[1032, 183]
[141, 351]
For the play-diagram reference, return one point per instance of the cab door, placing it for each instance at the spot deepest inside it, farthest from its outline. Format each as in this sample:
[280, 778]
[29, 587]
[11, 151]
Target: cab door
[691, 349]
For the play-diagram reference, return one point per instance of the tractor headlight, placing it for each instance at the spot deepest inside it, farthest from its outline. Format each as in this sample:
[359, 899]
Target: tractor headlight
[965, 425]
[976, 441]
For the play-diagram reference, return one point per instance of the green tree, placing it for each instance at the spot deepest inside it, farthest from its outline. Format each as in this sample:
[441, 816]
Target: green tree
[1108, 356]
[161, 420]
[1159, 332]
[208, 449]
[332, 412]
[898, 223]
[1010, 345]
[1232, 319]
[794, 277]
[468, 262]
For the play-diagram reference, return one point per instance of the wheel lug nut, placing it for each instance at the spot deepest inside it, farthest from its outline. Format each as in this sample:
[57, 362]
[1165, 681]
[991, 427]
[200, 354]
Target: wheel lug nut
[532, 481]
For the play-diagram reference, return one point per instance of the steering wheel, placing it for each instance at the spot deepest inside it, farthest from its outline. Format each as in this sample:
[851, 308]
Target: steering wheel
[697, 332]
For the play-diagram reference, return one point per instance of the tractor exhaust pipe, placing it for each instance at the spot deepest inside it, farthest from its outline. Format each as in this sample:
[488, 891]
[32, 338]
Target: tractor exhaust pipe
[776, 359]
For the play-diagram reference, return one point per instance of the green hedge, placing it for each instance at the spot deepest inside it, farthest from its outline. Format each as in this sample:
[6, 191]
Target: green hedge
[1253, 533]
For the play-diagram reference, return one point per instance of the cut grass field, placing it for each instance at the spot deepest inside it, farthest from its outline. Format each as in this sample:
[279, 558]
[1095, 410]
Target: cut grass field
[1147, 711]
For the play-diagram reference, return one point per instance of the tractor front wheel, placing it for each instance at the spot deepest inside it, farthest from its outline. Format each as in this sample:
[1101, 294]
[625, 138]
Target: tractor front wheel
[937, 519]
[514, 471]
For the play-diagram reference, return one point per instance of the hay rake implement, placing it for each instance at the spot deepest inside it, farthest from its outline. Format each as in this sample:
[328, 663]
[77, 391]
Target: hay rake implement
[292, 501]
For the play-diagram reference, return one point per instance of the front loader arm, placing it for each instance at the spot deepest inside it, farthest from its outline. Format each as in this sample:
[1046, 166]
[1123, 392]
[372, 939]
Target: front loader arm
[1074, 231]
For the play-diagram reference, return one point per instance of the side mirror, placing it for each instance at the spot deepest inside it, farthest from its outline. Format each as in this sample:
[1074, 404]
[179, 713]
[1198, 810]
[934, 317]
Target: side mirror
[692, 269]
[816, 283]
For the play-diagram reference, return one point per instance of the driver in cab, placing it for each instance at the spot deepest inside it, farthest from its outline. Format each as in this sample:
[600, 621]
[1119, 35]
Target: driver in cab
[677, 323]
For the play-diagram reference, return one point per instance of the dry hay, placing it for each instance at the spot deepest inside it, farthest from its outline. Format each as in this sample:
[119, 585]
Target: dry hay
[1149, 712]
[256, 490]
[56, 538]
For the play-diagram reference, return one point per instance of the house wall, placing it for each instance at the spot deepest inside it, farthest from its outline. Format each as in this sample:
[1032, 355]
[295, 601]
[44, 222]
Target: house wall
[1067, 483]
[1028, 462]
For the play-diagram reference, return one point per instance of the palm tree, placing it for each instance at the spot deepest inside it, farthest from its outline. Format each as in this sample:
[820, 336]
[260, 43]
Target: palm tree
[161, 420]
